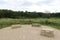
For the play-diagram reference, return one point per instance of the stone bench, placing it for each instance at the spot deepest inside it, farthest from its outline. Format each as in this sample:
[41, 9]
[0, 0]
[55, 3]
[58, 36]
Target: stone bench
[36, 25]
[15, 26]
[47, 32]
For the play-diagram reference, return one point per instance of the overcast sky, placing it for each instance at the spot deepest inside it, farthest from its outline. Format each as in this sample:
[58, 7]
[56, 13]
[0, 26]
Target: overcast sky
[31, 5]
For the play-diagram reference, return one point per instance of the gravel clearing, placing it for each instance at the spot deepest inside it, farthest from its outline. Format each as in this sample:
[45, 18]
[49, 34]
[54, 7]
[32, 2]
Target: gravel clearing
[26, 32]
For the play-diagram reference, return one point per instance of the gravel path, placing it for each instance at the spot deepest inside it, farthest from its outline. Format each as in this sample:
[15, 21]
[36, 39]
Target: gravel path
[26, 32]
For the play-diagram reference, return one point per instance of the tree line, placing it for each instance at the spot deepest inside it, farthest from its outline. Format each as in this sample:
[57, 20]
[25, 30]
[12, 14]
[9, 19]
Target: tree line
[21, 14]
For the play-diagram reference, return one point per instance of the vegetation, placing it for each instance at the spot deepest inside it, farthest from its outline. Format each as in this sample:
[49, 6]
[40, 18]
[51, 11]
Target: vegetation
[26, 14]
[9, 17]
[53, 22]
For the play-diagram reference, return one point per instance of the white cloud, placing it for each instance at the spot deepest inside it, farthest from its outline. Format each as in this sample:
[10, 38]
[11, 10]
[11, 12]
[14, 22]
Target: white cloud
[34, 1]
[31, 5]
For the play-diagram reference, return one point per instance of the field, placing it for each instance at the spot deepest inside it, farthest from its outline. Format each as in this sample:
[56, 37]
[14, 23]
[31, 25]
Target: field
[53, 22]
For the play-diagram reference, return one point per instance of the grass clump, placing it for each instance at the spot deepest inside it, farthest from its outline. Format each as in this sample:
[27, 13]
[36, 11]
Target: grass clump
[53, 22]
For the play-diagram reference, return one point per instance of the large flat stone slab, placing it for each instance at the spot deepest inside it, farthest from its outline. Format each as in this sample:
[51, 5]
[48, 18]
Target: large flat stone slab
[47, 32]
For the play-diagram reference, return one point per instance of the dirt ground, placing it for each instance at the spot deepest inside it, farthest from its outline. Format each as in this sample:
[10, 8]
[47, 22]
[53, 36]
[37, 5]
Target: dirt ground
[26, 32]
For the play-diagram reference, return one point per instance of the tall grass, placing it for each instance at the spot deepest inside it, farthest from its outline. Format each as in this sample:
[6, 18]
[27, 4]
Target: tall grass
[53, 22]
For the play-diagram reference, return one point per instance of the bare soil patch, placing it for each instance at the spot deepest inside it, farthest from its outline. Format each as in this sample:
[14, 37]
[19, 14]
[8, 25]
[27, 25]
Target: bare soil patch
[26, 32]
